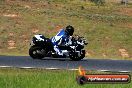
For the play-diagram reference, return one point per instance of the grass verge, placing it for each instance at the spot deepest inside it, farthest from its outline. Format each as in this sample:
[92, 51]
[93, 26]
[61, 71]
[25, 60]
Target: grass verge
[39, 78]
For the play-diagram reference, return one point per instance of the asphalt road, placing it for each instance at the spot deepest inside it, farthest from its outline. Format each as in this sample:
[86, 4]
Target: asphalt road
[88, 64]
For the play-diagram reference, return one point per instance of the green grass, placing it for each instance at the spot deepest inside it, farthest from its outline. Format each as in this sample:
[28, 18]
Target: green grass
[39, 78]
[106, 28]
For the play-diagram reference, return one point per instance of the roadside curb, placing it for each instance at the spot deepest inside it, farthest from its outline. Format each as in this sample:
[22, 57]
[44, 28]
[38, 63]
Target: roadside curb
[62, 69]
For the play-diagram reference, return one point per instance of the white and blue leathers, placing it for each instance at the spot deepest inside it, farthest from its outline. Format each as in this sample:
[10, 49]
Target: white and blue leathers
[60, 39]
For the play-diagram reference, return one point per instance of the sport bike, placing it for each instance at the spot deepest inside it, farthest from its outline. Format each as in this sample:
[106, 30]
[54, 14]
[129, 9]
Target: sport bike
[42, 47]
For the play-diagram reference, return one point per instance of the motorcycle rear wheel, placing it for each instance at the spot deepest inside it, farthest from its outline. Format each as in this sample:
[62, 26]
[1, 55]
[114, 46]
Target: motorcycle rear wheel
[36, 52]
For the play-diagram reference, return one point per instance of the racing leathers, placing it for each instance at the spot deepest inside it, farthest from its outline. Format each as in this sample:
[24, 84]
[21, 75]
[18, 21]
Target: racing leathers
[60, 39]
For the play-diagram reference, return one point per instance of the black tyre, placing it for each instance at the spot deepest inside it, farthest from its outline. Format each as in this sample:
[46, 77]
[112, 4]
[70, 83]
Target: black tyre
[75, 57]
[82, 54]
[81, 80]
[36, 52]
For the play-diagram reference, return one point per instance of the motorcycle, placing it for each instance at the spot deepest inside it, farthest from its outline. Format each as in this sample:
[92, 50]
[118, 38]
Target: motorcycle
[42, 47]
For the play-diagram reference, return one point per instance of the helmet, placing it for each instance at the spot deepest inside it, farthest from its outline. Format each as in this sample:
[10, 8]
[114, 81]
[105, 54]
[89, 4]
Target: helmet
[69, 30]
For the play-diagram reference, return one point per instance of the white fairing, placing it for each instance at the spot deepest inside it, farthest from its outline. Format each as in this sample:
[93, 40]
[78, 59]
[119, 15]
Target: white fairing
[81, 43]
[39, 37]
[65, 52]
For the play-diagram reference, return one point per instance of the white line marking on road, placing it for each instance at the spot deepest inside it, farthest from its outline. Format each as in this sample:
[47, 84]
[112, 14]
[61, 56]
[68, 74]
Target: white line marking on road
[52, 68]
[73, 69]
[104, 70]
[5, 66]
[124, 71]
[26, 67]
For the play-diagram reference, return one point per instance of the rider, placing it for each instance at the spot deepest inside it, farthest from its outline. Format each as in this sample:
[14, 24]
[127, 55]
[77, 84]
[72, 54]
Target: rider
[62, 37]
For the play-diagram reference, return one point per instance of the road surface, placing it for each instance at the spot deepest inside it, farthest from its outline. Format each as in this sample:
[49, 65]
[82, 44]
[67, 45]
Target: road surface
[61, 63]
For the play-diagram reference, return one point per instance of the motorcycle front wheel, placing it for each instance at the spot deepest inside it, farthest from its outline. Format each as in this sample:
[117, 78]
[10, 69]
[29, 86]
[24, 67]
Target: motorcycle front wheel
[75, 57]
